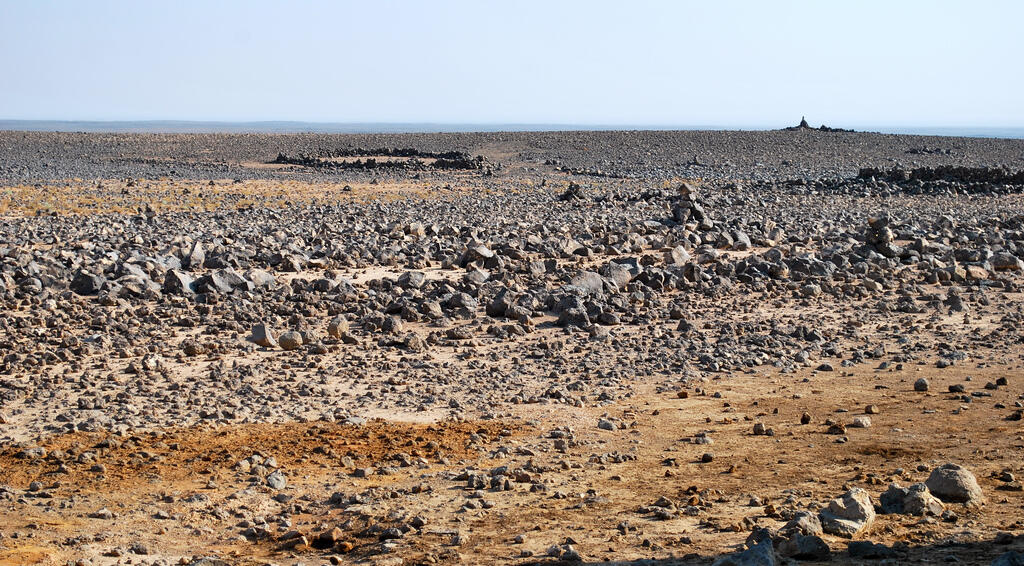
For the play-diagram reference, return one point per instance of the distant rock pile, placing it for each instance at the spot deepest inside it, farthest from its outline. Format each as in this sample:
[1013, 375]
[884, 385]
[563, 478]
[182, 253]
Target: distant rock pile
[947, 173]
[398, 158]
[803, 125]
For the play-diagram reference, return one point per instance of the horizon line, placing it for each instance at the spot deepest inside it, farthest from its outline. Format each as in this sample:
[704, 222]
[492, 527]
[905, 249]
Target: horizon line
[370, 127]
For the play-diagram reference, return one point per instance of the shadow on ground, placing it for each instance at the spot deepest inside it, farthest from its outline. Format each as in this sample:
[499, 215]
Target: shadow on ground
[973, 553]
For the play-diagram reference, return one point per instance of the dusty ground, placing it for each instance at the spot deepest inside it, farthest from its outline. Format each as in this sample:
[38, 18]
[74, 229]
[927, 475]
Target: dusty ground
[189, 475]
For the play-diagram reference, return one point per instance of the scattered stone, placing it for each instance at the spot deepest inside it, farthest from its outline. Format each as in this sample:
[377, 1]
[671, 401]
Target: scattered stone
[761, 554]
[262, 336]
[861, 422]
[277, 480]
[291, 340]
[104, 513]
[337, 327]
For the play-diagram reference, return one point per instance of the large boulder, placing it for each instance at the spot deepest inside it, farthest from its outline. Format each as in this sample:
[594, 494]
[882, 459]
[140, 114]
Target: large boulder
[412, 279]
[195, 258]
[573, 317]
[804, 523]
[221, 281]
[849, 515]
[741, 241]
[86, 283]
[501, 304]
[574, 192]
[479, 253]
[1006, 262]
[803, 547]
[953, 483]
[913, 500]
[133, 270]
[879, 232]
[178, 283]
[617, 273]
[463, 301]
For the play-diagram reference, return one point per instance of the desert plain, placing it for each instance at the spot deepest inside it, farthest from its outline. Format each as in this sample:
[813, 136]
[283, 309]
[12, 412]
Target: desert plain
[632, 347]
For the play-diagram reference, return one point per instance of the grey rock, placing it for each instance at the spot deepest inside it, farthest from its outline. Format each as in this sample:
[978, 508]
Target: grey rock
[412, 279]
[677, 256]
[1006, 262]
[395, 325]
[805, 523]
[587, 283]
[861, 422]
[88, 283]
[277, 480]
[221, 281]
[178, 283]
[913, 500]
[260, 278]
[463, 301]
[195, 258]
[804, 547]
[848, 515]
[208, 561]
[291, 340]
[104, 513]
[414, 343]
[760, 534]
[262, 335]
[337, 326]
[761, 554]
[953, 483]
[573, 317]
[741, 241]
[617, 273]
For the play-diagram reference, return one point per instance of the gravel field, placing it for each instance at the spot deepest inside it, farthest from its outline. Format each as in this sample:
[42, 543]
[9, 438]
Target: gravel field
[511, 348]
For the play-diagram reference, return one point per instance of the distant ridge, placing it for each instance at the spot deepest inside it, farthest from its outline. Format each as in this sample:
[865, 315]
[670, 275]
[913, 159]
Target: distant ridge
[295, 127]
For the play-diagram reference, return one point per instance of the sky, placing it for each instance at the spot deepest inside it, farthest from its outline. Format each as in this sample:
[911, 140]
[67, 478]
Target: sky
[728, 63]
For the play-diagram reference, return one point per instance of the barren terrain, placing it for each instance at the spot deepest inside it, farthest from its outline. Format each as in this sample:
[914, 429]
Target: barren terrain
[523, 348]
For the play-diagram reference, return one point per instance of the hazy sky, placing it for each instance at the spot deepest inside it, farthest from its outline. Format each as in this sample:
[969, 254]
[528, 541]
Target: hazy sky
[726, 63]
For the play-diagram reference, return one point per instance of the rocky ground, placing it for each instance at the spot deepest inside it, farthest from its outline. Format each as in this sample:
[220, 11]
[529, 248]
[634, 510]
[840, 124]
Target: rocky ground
[528, 348]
